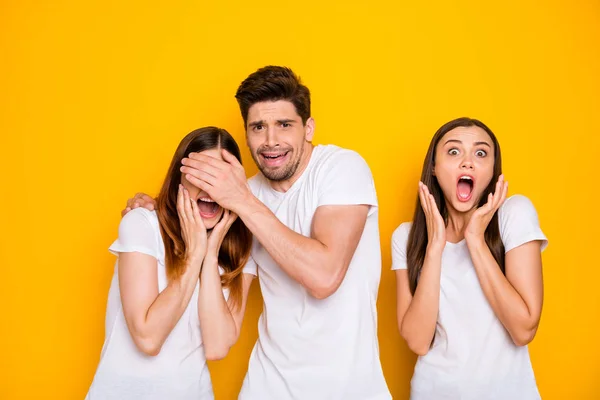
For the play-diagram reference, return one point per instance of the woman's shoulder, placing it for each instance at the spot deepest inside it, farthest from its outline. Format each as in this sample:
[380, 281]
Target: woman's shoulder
[140, 218]
[399, 244]
[519, 223]
[516, 204]
[139, 229]
[401, 232]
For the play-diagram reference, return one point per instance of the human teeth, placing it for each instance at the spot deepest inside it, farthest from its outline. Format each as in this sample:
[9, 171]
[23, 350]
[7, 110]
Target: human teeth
[466, 177]
[207, 200]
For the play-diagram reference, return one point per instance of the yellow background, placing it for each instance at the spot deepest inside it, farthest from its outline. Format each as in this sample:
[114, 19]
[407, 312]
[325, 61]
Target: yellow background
[95, 96]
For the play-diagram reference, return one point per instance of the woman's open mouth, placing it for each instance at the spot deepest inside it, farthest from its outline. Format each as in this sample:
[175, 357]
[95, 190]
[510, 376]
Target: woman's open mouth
[208, 207]
[464, 187]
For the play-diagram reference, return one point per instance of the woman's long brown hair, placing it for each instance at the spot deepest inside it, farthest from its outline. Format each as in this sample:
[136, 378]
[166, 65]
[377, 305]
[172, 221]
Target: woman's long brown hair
[417, 238]
[235, 249]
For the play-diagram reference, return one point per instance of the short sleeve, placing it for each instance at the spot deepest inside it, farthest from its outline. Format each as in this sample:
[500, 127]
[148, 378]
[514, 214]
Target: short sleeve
[250, 267]
[346, 180]
[137, 233]
[519, 223]
[399, 242]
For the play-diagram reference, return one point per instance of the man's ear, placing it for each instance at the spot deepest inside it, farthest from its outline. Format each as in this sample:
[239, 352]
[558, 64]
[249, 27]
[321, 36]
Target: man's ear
[309, 129]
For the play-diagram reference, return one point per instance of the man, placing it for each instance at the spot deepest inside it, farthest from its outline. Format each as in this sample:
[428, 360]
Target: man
[313, 213]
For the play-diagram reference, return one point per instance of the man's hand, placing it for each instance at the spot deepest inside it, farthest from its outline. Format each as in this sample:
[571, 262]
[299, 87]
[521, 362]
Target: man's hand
[139, 200]
[223, 180]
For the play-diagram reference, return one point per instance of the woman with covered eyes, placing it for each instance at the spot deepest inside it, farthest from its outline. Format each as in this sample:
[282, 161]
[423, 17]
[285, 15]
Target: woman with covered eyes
[469, 273]
[179, 288]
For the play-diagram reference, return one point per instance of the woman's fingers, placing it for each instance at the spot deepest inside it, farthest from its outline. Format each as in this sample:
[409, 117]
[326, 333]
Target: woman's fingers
[437, 220]
[196, 212]
[226, 214]
[232, 217]
[421, 197]
[497, 193]
[423, 192]
[435, 211]
[187, 206]
[502, 195]
[222, 222]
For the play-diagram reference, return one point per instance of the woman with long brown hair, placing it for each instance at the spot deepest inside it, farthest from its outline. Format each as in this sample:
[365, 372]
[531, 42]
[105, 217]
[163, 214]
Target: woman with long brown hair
[179, 288]
[469, 273]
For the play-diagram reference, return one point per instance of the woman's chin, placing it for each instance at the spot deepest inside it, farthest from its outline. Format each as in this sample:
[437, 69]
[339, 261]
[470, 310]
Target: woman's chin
[209, 225]
[463, 206]
[212, 221]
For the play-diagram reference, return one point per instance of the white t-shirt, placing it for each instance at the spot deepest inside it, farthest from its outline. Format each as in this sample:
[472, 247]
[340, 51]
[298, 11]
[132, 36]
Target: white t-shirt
[473, 356]
[311, 349]
[179, 371]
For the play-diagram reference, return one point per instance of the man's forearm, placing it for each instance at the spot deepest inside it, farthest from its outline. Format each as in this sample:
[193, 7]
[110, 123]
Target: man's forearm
[304, 259]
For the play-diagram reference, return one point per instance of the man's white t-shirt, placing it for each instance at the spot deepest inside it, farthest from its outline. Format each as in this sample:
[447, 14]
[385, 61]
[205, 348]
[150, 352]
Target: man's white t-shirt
[473, 356]
[311, 349]
[179, 371]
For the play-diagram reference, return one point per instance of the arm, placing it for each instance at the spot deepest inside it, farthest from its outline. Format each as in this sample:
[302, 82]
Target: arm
[517, 297]
[318, 262]
[151, 316]
[220, 322]
[417, 315]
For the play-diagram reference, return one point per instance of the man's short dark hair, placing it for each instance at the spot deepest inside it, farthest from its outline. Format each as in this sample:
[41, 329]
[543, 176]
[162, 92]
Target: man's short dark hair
[273, 83]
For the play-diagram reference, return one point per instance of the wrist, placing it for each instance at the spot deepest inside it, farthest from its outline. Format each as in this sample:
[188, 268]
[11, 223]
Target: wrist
[212, 258]
[194, 262]
[474, 240]
[246, 205]
[435, 249]
[436, 243]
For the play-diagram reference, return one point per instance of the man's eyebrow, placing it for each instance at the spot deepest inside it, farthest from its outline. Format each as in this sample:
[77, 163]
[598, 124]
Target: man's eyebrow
[255, 123]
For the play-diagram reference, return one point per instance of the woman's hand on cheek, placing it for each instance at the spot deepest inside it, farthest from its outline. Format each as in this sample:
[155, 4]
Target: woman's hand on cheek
[436, 227]
[483, 215]
[218, 233]
[193, 231]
